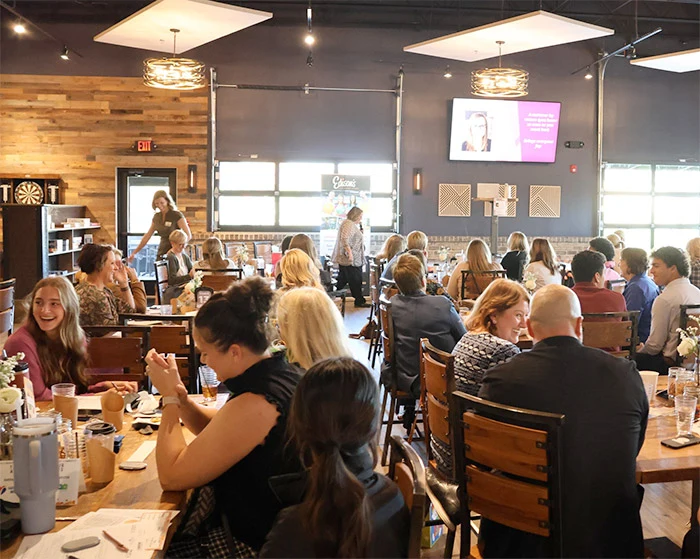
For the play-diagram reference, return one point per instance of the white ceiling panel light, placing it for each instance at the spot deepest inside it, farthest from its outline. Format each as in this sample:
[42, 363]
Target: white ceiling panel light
[682, 61]
[531, 31]
[199, 22]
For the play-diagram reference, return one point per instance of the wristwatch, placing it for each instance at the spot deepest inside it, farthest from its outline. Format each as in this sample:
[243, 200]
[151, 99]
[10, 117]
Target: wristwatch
[165, 400]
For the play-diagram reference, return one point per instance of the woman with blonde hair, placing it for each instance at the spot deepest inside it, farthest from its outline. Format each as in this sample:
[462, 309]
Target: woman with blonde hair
[53, 342]
[515, 259]
[478, 260]
[304, 242]
[311, 327]
[395, 244]
[349, 254]
[166, 220]
[213, 256]
[693, 248]
[543, 264]
[299, 270]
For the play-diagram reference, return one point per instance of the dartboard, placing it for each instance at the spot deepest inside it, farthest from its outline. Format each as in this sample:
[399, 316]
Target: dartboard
[29, 192]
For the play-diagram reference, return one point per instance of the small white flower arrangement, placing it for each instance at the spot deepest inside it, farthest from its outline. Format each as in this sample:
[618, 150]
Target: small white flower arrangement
[195, 283]
[10, 397]
[530, 281]
[241, 257]
[690, 339]
[443, 253]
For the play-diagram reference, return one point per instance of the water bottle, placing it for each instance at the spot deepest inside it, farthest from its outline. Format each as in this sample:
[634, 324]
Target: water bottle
[35, 448]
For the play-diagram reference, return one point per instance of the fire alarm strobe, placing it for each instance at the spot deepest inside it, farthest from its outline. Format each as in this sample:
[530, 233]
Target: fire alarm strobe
[573, 144]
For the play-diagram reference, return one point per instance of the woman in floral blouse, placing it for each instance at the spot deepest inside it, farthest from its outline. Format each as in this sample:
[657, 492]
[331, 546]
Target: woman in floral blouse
[99, 305]
[349, 254]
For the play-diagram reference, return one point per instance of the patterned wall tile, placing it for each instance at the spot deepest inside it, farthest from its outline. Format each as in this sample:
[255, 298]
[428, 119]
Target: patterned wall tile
[454, 200]
[545, 201]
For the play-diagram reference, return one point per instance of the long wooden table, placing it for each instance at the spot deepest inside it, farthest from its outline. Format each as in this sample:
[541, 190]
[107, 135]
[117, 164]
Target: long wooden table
[657, 463]
[129, 489]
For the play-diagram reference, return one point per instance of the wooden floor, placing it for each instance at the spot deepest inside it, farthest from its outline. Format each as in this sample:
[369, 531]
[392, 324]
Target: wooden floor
[666, 506]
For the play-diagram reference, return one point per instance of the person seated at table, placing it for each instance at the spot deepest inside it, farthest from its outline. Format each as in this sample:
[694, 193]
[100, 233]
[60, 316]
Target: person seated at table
[240, 446]
[213, 256]
[415, 240]
[432, 287]
[99, 305]
[605, 409]
[493, 328]
[515, 259]
[543, 264]
[180, 269]
[310, 327]
[347, 509]
[304, 242]
[587, 267]
[607, 249]
[618, 244]
[670, 268]
[640, 291]
[417, 315]
[53, 342]
[138, 290]
[393, 245]
[298, 270]
[284, 247]
[693, 249]
[478, 260]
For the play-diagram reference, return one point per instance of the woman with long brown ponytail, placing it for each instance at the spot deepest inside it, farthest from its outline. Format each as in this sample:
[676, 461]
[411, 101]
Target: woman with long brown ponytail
[348, 510]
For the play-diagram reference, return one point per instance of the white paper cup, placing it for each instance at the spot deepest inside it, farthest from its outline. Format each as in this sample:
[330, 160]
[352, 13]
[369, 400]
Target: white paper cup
[649, 379]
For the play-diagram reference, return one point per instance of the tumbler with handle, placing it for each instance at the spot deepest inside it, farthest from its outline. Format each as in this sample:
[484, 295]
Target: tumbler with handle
[35, 446]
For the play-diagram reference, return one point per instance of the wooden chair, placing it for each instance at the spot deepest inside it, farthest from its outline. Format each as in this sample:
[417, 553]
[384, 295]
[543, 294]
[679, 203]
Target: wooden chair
[263, 249]
[7, 305]
[508, 463]
[175, 339]
[437, 382]
[407, 470]
[374, 308]
[161, 267]
[222, 281]
[231, 248]
[391, 393]
[387, 287]
[617, 285]
[478, 281]
[608, 330]
[105, 353]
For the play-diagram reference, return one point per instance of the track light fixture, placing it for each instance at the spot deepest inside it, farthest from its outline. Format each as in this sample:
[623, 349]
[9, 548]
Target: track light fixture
[310, 60]
[309, 39]
[19, 28]
[64, 53]
[447, 73]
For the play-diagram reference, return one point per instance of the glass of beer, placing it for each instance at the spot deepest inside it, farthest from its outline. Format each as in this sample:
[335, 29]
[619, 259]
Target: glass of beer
[210, 384]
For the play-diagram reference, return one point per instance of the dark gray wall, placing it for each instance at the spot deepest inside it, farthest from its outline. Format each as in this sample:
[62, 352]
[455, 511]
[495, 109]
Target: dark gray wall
[650, 115]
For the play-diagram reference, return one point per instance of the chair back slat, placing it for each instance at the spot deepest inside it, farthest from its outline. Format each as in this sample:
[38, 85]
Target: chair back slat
[510, 448]
[617, 285]
[220, 282]
[474, 283]
[170, 339]
[435, 378]
[161, 267]
[7, 298]
[407, 470]
[6, 320]
[439, 419]
[616, 332]
[387, 329]
[388, 288]
[508, 501]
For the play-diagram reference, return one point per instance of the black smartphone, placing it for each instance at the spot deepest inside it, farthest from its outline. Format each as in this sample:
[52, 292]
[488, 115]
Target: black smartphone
[662, 394]
[681, 441]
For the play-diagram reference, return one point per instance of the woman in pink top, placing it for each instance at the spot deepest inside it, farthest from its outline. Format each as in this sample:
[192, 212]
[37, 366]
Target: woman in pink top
[606, 248]
[53, 342]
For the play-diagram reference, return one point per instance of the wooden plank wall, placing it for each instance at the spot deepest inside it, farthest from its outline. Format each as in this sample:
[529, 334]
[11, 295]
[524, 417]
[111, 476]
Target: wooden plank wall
[82, 128]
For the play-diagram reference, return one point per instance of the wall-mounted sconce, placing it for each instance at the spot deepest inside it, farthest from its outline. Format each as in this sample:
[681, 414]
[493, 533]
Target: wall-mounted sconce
[417, 180]
[192, 178]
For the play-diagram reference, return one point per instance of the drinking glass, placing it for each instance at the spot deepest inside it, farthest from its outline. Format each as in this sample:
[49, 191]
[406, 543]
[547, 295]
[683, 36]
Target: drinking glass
[685, 413]
[210, 384]
[649, 379]
[693, 391]
[63, 389]
[683, 378]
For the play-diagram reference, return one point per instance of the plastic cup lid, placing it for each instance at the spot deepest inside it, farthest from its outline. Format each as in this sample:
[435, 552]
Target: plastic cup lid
[100, 428]
[35, 427]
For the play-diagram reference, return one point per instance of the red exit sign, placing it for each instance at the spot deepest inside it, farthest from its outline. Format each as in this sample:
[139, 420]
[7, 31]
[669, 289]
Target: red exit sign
[144, 145]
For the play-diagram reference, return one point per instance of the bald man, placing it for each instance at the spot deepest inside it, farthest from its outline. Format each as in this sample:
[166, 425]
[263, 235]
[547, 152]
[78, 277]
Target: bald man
[606, 413]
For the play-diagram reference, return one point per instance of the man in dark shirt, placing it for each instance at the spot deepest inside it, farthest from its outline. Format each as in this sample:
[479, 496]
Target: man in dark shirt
[588, 268]
[606, 413]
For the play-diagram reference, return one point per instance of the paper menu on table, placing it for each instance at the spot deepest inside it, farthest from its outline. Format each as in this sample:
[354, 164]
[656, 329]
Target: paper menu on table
[49, 545]
[89, 402]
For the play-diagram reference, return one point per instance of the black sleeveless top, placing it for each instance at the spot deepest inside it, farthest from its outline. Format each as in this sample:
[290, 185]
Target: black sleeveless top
[243, 493]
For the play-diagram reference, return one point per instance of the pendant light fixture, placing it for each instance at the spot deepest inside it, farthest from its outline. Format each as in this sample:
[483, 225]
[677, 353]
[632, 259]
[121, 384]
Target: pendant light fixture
[499, 82]
[174, 72]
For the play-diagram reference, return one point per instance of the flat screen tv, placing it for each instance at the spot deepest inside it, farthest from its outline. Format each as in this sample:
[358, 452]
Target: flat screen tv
[495, 130]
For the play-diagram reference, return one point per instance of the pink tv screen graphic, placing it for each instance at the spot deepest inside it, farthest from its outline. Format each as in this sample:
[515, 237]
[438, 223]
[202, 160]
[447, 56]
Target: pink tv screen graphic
[495, 130]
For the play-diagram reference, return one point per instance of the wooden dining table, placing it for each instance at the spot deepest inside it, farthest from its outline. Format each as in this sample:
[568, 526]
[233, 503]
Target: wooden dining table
[129, 489]
[657, 463]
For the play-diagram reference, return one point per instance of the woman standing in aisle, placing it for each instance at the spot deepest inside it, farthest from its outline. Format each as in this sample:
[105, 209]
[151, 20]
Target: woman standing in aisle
[166, 220]
[349, 254]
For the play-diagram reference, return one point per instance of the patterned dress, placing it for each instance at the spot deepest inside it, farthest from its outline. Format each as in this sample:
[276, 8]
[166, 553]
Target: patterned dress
[100, 307]
[474, 355]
